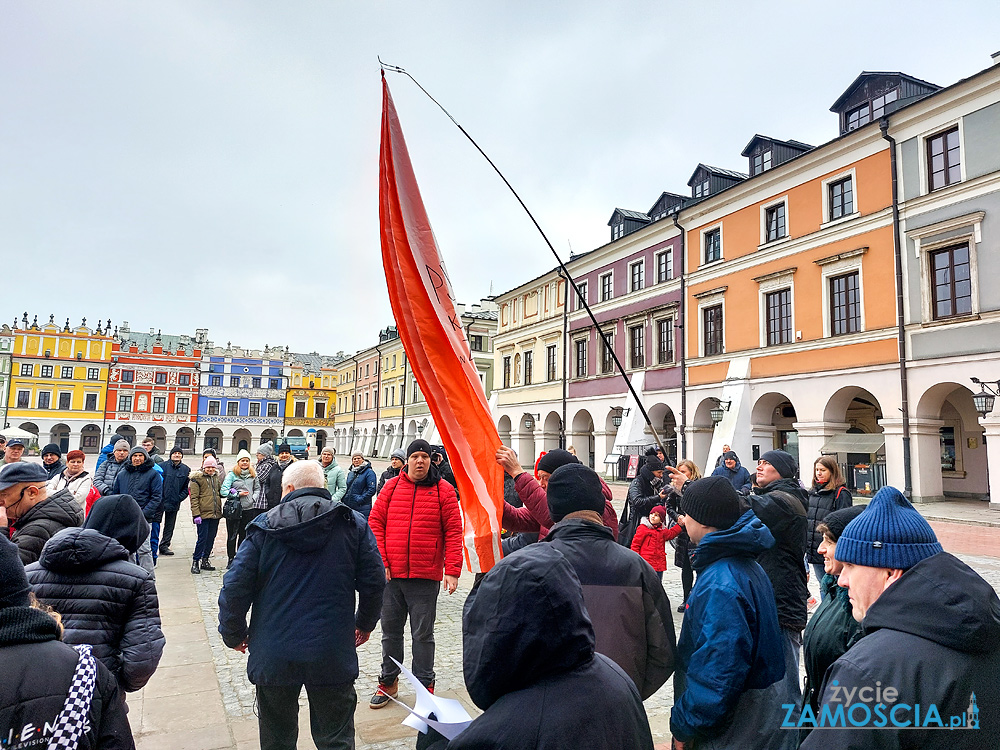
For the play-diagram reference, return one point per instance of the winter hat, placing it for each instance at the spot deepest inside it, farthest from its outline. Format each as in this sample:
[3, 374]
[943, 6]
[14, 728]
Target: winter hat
[711, 501]
[327, 449]
[244, 454]
[13, 582]
[284, 448]
[176, 449]
[209, 462]
[398, 453]
[122, 445]
[889, 534]
[658, 509]
[653, 463]
[22, 473]
[836, 521]
[52, 448]
[265, 449]
[209, 452]
[119, 517]
[731, 455]
[781, 461]
[417, 446]
[574, 487]
[653, 450]
[138, 449]
[73, 455]
[554, 459]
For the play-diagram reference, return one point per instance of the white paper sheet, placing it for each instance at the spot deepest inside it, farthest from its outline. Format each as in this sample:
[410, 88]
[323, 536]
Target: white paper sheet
[452, 718]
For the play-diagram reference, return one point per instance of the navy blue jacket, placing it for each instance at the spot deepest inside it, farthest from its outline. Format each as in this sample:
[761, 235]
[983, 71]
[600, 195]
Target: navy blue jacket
[730, 657]
[360, 488]
[299, 568]
[738, 477]
[144, 484]
[175, 485]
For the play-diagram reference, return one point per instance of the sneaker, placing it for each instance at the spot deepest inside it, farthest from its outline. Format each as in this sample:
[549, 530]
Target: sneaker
[166, 551]
[206, 565]
[381, 697]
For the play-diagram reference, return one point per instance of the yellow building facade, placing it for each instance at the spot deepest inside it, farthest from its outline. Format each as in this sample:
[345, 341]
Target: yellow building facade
[311, 399]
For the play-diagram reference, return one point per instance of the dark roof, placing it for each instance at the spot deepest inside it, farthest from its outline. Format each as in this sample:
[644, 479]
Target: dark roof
[626, 214]
[718, 172]
[797, 145]
[870, 74]
[679, 199]
[482, 315]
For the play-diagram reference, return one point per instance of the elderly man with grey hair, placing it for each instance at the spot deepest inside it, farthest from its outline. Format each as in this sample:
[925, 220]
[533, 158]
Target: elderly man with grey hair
[299, 569]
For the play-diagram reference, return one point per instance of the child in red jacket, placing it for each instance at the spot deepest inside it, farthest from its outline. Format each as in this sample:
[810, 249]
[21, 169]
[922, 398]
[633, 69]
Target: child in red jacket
[651, 538]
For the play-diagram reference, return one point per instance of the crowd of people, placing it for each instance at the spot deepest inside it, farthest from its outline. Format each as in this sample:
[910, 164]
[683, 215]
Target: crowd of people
[563, 639]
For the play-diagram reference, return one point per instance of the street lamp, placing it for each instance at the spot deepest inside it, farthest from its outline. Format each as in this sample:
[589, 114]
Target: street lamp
[986, 397]
[420, 429]
[721, 407]
[619, 412]
[529, 420]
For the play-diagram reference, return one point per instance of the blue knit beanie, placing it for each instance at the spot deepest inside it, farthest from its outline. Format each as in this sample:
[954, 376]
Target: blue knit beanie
[889, 534]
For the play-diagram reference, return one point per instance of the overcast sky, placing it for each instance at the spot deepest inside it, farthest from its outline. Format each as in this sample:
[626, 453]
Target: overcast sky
[185, 165]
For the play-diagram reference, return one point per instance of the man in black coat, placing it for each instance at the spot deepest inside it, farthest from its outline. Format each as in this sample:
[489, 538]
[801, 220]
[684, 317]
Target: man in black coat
[105, 601]
[140, 479]
[52, 460]
[176, 475]
[530, 664]
[629, 609]
[299, 569]
[925, 671]
[26, 505]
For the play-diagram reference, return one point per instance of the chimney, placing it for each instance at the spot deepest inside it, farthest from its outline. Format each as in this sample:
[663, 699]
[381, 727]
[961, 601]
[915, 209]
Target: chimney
[996, 58]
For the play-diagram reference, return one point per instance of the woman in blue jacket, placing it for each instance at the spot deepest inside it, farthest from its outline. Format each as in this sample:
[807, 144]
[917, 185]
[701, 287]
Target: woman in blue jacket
[361, 483]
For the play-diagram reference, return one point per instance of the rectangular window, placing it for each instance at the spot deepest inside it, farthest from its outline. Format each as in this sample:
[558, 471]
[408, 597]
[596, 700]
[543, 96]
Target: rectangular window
[44, 399]
[529, 358]
[234, 381]
[774, 223]
[23, 399]
[618, 231]
[779, 317]
[124, 403]
[272, 410]
[761, 162]
[255, 382]
[951, 281]
[416, 385]
[637, 276]
[90, 402]
[183, 442]
[67, 373]
[300, 409]
[581, 358]
[27, 371]
[841, 198]
[320, 409]
[550, 362]
[161, 378]
[128, 376]
[712, 329]
[274, 384]
[232, 408]
[845, 304]
[637, 346]
[214, 408]
[159, 404]
[582, 294]
[46, 371]
[184, 379]
[607, 360]
[859, 116]
[254, 409]
[212, 441]
[665, 341]
[477, 343]
[181, 406]
[700, 190]
[664, 267]
[216, 380]
[88, 441]
[607, 287]
[506, 376]
[65, 401]
[93, 373]
[713, 246]
[944, 160]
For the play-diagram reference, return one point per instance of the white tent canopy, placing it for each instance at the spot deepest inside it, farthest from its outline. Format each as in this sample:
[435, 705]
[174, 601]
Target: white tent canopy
[13, 432]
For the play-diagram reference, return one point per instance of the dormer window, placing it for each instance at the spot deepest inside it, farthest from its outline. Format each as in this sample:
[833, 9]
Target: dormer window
[618, 231]
[761, 162]
[700, 190]
[870, 111]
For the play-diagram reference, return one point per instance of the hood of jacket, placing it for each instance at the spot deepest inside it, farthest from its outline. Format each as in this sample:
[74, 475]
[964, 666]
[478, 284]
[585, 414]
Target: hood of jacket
[144, 466]
[77, 550]
[119, 517]
[60, 507]
[791, 486]
[525, 622]
[748, 537]
[943, 600]
[304, 519]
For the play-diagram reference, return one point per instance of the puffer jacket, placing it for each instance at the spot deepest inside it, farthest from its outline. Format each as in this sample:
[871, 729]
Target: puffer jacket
[361, 484]
[106, 452]
[105, 601]
[533, 515]
[336, 480]
[79, 485]
[206, 500]
[650, 542]
[643, 496]
[822, 502]
[143, 483]
[175, 485]
[106, 474]
[235, 483]
[418, 527]
[44, 521]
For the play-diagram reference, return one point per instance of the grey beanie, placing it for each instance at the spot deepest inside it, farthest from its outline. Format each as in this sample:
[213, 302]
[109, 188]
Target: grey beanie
[266, 449]
[122, 445]
[400, 454]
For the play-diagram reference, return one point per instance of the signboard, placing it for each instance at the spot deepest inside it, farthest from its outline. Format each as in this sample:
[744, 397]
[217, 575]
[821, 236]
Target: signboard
[633, 466]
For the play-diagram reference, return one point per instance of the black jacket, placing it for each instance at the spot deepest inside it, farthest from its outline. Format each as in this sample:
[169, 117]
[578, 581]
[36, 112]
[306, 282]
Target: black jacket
[144, 483]
[105, 601]
[782, 507]
[36, 674]
[56, 469]
[530, 664]
[175, 485]
[386, 475]
[643, 496]
[57, 512]
[626, 601]
[934, 635]
[821, 503]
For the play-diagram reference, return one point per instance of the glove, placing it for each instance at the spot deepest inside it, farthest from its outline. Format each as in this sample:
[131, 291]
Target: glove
[197, 520]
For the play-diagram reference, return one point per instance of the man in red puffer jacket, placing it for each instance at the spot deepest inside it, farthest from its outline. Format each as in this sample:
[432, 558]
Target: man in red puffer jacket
[418, 528]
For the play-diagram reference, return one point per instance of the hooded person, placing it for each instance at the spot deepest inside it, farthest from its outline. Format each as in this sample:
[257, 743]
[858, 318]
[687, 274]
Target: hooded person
[629, 609]
[643, 493]
[52, 460]
[51, 694]
[106, 601]
[931, 633]
[530, 664]
[731, 469]
[336, 477]
[730, 664]
[361, 484]
[107, 471]
[397, 459]
[31, 515]
[176, 477]
[144, 483]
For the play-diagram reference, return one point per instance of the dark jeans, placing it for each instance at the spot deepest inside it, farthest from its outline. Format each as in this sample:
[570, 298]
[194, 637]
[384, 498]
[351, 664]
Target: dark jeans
[207, 530]
[167, 530]
[331, 716]
[236, 531]
[416, 597]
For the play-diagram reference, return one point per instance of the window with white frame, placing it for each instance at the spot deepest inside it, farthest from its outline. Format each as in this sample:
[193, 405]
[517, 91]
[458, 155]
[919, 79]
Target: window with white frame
[550, 362]
[944, 159]
[65, 401]
[607, 359]
[711, 317]
[125, 403]
[711, 241]
[949, 263]
[607, 286]
[664, 266]
[581, 294]
[637, 275]
[272, 410]
[580, 348]
[159, 404]
[90, 402]
[775, 224]
[637, 346]
[182, 405]
[233, 408]
[776, 300]
[843, 293]
[665, 341]
[214, 408]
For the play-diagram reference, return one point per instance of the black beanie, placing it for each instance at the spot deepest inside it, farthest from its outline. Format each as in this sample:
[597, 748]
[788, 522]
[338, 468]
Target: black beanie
[119, 517]
[13, 583]
[653, 463]
[284, 448]
[783, 463]
[52, 448]
[574, 487]
[837, 521]
[554, 459]
[418, 446]
[711, 501]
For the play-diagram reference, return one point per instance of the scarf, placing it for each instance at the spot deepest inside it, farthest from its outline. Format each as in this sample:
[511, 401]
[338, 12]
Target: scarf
[72, 720]
[26, 625]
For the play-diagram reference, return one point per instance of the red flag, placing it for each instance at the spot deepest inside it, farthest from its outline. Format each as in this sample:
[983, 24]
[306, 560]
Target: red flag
[432, 334]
